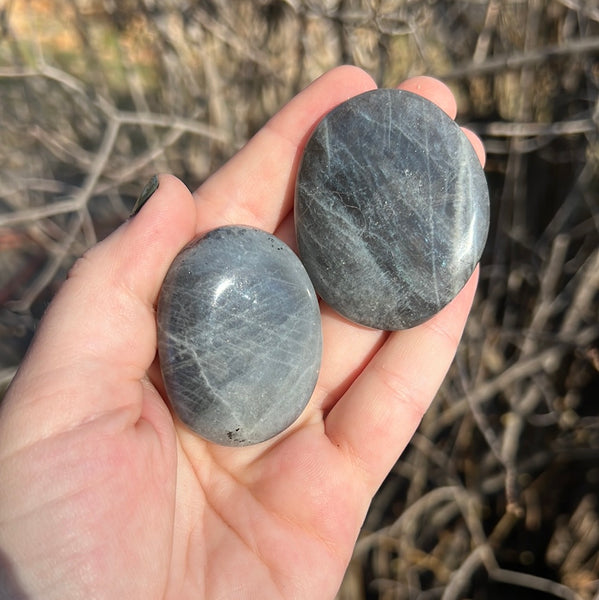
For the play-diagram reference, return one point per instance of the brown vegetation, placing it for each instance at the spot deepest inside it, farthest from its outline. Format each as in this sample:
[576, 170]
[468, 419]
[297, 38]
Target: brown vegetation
[498, 493]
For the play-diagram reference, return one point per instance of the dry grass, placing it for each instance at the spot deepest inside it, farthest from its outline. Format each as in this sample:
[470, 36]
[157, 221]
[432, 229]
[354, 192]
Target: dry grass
[498, 493]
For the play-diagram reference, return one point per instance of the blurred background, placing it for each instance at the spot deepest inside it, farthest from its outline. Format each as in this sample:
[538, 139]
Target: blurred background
[498, 494]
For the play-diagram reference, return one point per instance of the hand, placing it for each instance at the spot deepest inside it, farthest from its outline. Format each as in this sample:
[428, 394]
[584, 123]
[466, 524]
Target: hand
[104, 494]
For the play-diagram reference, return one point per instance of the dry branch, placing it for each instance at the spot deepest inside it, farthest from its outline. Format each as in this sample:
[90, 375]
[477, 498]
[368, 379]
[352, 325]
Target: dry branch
[515, 61]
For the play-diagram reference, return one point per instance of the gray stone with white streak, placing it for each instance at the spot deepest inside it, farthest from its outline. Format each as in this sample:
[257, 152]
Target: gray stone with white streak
[391, 209]
[239, 336]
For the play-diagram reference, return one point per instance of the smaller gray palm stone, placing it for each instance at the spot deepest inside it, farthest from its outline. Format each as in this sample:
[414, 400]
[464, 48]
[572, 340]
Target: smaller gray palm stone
[239, 336]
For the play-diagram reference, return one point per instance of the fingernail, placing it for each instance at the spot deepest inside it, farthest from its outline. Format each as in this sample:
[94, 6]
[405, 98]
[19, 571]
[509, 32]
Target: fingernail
[148, 190]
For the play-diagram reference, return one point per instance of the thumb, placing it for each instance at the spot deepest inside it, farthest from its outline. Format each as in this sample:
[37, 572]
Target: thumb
[99, 332]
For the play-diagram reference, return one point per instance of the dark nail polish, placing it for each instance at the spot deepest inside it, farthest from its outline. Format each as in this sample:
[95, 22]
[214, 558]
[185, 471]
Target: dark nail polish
[148, 190]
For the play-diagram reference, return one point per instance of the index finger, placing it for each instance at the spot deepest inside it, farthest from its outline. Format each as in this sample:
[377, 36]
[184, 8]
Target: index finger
[256, 186]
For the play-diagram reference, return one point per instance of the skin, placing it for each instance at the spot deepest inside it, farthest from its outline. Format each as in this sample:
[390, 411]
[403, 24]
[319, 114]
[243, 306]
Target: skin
[105, 495]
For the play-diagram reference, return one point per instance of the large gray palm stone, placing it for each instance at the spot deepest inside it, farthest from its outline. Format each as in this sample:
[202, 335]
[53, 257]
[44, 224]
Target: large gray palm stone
[391, 209]
[239, 336]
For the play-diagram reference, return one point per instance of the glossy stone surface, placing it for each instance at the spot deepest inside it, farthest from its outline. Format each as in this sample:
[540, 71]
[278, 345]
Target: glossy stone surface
[391, 209]
[239, 336]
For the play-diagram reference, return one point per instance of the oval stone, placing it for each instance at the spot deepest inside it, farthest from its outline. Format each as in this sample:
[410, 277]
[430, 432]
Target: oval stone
[239, 336]
[391, 209]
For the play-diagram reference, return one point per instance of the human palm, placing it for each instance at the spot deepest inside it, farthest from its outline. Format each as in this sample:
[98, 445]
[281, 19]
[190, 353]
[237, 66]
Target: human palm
[103, 494]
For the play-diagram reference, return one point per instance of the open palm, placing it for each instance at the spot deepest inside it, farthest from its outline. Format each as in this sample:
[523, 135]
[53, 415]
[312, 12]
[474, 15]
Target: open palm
[103, 494]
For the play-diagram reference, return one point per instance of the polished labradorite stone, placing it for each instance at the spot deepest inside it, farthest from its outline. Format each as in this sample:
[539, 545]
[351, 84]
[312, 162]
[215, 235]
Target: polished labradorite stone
[239, 336]
[391, 209]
